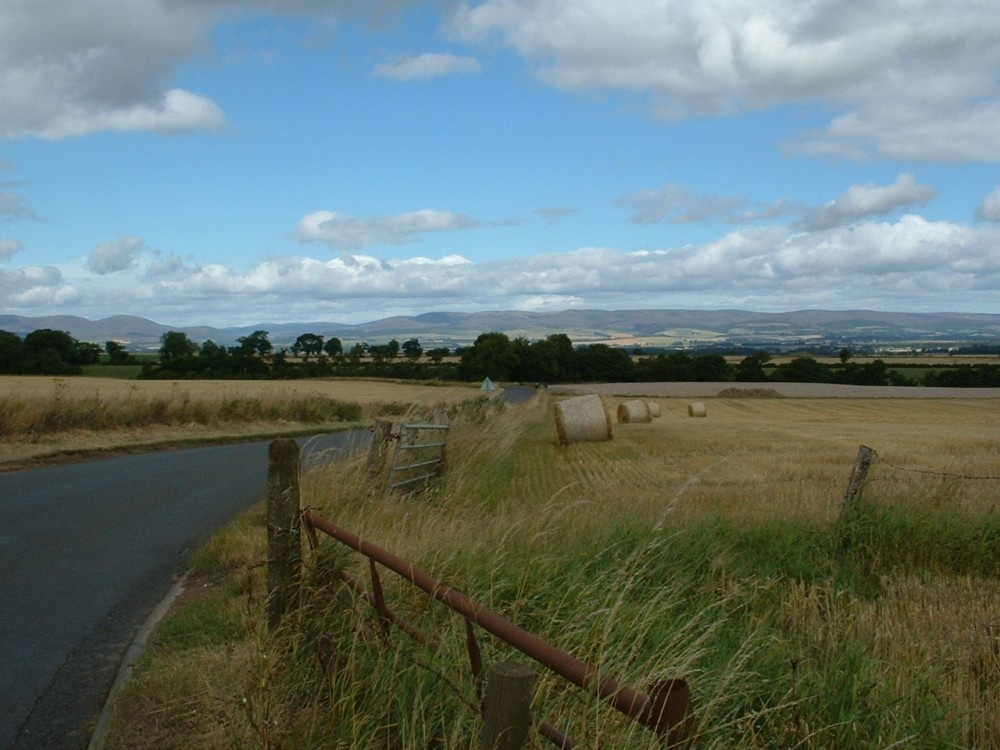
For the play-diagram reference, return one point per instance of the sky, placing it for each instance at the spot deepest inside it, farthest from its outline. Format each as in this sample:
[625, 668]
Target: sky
[233, 162]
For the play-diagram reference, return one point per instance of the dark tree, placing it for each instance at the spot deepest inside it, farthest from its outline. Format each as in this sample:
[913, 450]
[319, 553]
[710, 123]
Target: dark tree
[600, 363]
[492, 355]
[359, 350]
[10, 353]
[86, 353]
[711, 368]
[256, 343]
[802, 370]
[175, 346]
[749, 370]
[437, 354]
[117, 354]
[334, 347]
[307, 344]
[49, 352]
[392, 349]
[412, 349]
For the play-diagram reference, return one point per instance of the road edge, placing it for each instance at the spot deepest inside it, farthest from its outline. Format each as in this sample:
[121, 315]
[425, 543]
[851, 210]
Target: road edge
[136, 648]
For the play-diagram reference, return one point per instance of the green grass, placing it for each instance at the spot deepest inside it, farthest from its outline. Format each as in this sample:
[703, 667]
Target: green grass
[875, 630]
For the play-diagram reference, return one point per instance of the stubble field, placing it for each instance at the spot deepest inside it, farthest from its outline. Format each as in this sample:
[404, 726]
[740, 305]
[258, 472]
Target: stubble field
[717, 549]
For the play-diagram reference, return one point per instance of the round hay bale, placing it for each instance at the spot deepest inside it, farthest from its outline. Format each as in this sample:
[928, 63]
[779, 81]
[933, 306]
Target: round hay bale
[654, 409]
[633, 411]
[697, 409]
[582, 419]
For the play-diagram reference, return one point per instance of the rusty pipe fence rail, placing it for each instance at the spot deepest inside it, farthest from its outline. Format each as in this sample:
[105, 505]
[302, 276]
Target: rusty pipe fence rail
[667, 709]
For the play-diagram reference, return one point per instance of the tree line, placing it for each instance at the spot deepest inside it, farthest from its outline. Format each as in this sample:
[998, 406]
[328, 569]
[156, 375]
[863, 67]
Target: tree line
[50, 352]
[495, 355]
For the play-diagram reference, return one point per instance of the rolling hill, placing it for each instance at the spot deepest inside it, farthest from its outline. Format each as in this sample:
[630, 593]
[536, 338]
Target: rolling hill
[631, 328]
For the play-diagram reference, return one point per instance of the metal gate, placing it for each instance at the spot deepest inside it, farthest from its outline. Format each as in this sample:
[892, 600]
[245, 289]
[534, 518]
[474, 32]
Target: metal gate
[419, 455]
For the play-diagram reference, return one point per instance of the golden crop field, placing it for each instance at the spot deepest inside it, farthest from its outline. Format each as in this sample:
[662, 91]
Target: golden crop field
[716, 549]
[47, 387]
[42, 416]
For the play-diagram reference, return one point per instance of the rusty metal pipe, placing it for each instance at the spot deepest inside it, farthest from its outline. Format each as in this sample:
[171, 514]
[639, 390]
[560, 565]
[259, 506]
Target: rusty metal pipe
[630, 702]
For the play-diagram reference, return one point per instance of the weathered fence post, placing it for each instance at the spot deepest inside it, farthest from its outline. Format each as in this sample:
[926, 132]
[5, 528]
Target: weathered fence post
[284, 543]
[382, 434]
[859, 473]
[507, 711]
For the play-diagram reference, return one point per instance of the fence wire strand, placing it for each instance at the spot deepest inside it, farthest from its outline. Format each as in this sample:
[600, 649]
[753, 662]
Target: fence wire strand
[933, 472]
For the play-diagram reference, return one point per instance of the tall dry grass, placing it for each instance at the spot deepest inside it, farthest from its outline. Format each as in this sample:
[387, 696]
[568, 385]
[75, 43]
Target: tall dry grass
[714, 549]
[42, 417]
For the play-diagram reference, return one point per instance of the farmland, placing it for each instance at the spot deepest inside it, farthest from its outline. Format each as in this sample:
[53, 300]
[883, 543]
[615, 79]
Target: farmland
[715, 549]
[50, 418]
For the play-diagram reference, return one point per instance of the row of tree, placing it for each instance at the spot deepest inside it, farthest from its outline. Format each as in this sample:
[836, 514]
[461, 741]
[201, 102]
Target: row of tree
[50, 352]
[495, 355]
[309, 356]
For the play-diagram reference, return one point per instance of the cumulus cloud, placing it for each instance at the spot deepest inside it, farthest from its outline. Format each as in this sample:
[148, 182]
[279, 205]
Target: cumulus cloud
[862, 201]
[37, 289]
[904, 79]
[112, 257]
[905, 264]
[426, 66]
[676, 204]
[989, 209]
[9, 246]
[13, 206]
[344, 232]
[72, 68]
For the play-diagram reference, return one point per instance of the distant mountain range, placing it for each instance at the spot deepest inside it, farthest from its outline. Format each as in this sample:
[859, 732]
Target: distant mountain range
[630, 328]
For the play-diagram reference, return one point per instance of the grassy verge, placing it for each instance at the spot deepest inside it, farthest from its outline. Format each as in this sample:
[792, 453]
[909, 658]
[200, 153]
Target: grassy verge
[713, 550]
[45, 419]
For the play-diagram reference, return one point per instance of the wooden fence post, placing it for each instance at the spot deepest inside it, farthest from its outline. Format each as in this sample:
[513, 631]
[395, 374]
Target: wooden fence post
[507, 711]
[859, 473]
[379, 447]
[284, 542]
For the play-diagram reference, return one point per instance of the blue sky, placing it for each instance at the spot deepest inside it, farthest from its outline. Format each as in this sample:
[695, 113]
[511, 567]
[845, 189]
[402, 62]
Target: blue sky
[231, 162]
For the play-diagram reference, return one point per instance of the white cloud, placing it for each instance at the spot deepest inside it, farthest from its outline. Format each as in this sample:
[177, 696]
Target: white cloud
[72, 68]
[907, 79]
[862, 201]
[344, 232]
[9, 246]
[676, 204]
[989, 209]
[37, 290]
[13, 206]
[426, 66]
[113, 257]
[906, 264]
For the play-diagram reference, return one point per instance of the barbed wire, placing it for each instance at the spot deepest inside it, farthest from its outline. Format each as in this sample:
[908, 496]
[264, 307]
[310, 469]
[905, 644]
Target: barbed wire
[932, 472]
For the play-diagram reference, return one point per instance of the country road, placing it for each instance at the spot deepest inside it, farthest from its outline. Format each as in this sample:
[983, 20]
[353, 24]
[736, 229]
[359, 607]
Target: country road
[86, 552]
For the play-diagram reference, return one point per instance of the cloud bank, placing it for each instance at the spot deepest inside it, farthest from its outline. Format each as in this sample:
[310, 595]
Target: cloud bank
[907, 263]
[905, 79]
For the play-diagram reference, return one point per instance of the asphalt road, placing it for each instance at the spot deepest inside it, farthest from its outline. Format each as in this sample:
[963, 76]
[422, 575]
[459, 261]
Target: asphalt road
[86, 552]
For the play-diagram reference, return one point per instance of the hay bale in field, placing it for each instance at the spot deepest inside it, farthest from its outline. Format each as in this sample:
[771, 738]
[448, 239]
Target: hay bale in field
[582, 419]
[697, 409]
[634, 411]
[654, 409]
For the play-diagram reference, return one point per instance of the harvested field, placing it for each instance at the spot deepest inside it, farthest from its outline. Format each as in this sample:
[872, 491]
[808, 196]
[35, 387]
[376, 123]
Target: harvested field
[791, 390]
